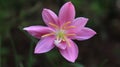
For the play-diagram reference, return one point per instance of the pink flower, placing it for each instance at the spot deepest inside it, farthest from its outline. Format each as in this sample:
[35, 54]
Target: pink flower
[61, 30]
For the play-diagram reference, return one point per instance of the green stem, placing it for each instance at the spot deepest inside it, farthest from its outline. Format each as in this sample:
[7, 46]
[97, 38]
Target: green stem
[14, 51]
[29, 64]
[30, 55]
[103, 63]
[0, 54]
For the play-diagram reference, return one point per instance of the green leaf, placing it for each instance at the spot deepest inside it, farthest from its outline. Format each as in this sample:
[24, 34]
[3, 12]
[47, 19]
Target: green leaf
[78, 65]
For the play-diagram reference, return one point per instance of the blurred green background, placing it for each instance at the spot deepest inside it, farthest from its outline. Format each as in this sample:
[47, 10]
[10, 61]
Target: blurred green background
[17, 46]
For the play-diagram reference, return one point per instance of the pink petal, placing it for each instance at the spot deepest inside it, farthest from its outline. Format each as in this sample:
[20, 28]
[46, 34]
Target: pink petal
[80, 22]
[49, 17]
[38, 31]
[44, 45]
[61, 45]
[66, 13]
[84, 34]
[71, 52]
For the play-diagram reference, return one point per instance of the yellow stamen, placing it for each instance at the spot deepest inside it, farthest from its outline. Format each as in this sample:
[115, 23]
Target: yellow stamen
[47, 35]
[53, 25]
[69, 27]
[66, 24]
[63, 39]
[57, 37]
[67, 41]
[70, 34]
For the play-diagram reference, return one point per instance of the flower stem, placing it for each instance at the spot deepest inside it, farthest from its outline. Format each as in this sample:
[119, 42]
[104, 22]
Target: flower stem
[0, 48]
[14, 51]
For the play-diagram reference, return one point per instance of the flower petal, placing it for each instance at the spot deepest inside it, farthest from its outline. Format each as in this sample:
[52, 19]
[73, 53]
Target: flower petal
[84, 34]
[38, 31]
[71, 52]
[66, 13]
[61, 45]
[49, 17]
[79, 22]
[44, 45]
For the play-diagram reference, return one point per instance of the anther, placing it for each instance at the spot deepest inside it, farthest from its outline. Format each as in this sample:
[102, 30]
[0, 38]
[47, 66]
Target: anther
[53, 25]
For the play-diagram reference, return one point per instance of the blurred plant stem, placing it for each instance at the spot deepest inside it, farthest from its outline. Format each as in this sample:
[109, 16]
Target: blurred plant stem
[103, 63]
[29, 64]
[14, 50]
[0, 54]
[30, 55]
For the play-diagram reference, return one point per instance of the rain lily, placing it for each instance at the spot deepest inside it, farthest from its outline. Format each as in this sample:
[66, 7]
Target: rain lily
[61, 30]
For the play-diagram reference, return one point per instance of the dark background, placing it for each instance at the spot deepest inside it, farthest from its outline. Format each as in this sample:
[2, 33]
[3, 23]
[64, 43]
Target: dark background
[17, 46]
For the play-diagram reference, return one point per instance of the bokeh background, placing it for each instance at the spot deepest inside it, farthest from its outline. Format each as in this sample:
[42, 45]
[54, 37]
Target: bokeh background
[17, 46]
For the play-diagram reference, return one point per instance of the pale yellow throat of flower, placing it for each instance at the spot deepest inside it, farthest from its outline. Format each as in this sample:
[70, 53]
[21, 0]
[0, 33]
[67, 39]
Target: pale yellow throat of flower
[60, 33]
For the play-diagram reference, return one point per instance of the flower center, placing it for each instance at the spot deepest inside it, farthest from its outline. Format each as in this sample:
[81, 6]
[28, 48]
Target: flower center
[60, 36]
[60, 32]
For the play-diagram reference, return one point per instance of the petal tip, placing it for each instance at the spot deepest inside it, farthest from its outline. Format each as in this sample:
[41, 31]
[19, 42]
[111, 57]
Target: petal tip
[45, 9]
[84, 18]
[70, 4]
[94, 33]
[36, 52]
[25, 28]
[73, 61]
